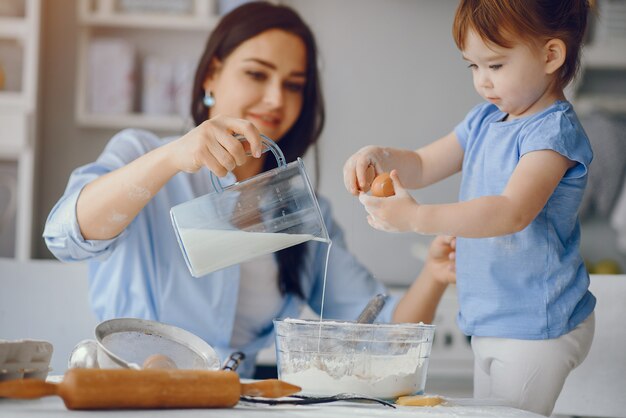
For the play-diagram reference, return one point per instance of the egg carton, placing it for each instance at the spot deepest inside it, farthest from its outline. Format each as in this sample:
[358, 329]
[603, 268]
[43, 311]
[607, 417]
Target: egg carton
[24, 359]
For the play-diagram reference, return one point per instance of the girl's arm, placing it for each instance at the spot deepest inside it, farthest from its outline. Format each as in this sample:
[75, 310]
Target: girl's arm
[528, 190]
[532, 183]
[416, 169]
[437, 161]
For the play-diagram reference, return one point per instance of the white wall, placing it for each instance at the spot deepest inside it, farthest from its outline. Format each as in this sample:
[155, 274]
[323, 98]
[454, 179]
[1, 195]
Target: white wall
[393, 76]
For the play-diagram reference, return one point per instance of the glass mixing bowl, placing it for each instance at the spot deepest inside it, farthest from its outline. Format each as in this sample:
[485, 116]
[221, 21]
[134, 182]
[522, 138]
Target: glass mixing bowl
[330, 357]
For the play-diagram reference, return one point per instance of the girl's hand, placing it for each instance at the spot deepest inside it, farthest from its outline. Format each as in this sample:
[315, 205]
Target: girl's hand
[441, 261]
[394, 213]
[362, 167]
[213, 145]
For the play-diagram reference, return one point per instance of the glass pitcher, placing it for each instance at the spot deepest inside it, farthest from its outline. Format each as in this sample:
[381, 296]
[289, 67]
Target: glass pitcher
[263, 214]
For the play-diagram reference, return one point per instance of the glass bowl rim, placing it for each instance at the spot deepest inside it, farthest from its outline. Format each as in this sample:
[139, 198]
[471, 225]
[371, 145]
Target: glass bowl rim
[409, 326]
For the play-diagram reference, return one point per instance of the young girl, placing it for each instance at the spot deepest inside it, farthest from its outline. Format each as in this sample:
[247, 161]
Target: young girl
[522, 284]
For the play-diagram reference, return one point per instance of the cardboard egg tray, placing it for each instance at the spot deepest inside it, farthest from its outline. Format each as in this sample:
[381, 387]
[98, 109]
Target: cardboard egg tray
[24, 359]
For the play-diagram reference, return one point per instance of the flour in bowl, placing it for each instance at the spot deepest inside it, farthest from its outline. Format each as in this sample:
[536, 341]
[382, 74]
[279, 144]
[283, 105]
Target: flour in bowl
[379, 376]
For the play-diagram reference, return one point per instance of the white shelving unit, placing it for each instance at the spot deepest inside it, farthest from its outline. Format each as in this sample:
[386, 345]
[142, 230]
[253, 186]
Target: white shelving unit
[608, 55]
[601, 87]
[605, 52]
[603, 56]
[19, 55]
[170, 36]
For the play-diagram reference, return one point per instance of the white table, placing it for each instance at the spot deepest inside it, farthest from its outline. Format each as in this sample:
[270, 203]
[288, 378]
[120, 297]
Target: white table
[53, 407]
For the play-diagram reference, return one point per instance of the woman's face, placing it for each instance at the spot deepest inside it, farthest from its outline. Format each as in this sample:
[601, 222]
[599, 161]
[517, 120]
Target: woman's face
[262, 81]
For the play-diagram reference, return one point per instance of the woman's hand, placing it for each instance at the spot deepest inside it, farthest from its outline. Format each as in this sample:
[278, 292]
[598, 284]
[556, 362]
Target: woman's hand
[393, 213]
[419, 303]
[213, 145]
[441, 261]
[362, 167]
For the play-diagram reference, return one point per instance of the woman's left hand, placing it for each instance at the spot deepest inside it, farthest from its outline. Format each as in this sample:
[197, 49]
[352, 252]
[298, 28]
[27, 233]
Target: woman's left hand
[441, 261]
[394, 213]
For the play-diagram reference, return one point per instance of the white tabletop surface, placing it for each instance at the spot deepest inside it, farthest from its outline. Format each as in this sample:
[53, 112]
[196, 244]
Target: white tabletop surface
[53, 407]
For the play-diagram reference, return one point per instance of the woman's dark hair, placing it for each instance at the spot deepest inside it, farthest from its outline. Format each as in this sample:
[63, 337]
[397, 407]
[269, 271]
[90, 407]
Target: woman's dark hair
[241, 24]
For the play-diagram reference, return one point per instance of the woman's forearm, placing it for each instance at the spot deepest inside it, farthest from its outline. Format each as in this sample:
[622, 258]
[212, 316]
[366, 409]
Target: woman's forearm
[419, 303]
[108, 205]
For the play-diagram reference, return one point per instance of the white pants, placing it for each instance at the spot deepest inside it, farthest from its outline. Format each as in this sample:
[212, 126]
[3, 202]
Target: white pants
[529, 374]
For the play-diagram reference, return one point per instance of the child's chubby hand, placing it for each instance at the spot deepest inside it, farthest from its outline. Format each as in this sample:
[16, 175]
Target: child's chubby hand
[393, 213]
[441, 259]
[362, 167]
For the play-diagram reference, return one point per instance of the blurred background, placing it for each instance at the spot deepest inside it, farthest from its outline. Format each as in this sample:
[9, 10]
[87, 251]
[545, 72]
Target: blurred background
[75, 72]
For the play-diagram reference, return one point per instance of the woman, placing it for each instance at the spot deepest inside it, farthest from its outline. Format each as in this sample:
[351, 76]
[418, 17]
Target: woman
[258, 75]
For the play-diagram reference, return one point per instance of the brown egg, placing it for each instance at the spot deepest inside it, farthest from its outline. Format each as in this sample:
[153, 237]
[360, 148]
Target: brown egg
[382, 186]
[159, 361]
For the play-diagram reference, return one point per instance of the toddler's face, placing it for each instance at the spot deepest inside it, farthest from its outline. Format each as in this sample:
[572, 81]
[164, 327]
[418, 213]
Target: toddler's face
[514, 79]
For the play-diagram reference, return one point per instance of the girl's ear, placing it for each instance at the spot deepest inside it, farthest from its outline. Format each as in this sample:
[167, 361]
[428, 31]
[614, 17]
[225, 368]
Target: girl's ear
[554, 53]
[213, 74]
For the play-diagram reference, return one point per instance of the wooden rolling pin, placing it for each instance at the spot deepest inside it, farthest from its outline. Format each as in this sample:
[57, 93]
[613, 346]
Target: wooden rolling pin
[146, 389]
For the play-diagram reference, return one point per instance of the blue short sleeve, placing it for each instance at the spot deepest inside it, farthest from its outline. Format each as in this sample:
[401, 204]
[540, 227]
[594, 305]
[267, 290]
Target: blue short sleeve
[560, 133]
[473, 119]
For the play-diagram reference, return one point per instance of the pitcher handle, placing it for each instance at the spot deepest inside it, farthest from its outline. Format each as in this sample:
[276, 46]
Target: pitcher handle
[269, 146]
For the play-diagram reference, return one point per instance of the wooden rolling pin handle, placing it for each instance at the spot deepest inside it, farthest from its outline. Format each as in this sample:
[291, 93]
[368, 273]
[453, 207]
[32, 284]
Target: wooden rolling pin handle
[27, 389]
[149, 389]
[269, 388]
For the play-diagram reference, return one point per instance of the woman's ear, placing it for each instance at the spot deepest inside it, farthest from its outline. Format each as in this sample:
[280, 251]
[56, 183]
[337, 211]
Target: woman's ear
[555, 53]
[212, 74]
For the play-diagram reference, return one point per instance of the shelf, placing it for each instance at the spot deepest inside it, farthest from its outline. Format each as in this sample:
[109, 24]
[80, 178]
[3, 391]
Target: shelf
[604, 56]
[9, 153]
[11, 99]
[14, 133]
[613, 104]
[103, 13]
[19, 52]
[141, 21]
[135, 120]
[609, 55]
[171, 37]
[13, 27]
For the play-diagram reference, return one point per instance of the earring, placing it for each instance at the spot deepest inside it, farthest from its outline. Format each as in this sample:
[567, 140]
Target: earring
[208, 99]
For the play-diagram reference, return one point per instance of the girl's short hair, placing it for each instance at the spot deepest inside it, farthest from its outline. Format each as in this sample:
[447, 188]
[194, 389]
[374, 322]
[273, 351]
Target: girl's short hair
[501, 21]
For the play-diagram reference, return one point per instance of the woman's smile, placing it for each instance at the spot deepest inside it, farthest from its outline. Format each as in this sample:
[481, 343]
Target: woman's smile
[265, 119]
